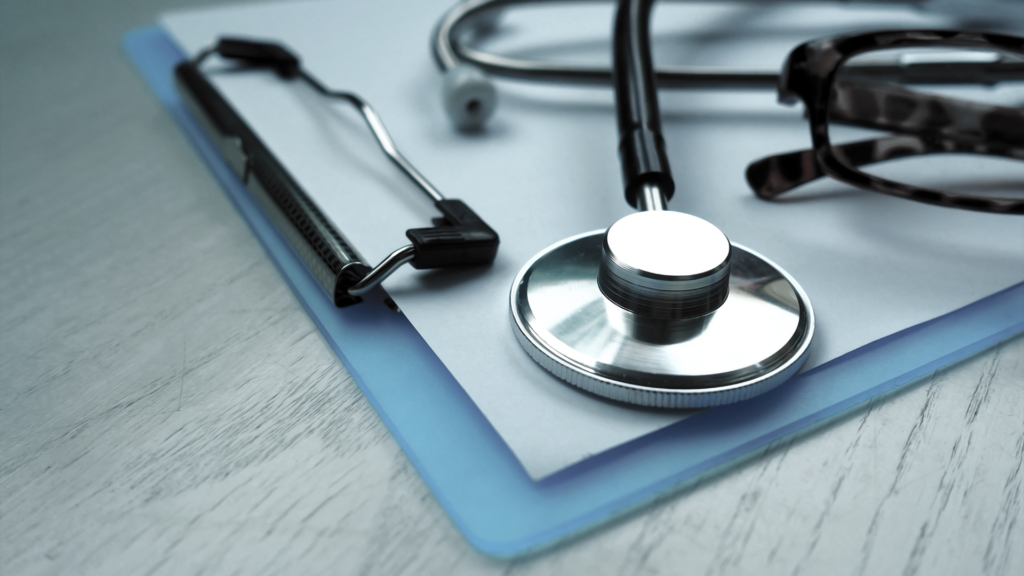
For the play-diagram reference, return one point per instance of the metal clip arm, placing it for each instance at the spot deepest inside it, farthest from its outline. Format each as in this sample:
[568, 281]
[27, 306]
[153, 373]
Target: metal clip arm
[458, 238]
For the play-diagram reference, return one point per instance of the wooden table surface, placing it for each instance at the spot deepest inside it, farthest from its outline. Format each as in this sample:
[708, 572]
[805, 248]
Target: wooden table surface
[168, 407]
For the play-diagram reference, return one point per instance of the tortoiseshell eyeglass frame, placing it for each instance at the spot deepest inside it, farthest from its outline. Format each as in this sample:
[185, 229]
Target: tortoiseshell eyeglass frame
[810, 75]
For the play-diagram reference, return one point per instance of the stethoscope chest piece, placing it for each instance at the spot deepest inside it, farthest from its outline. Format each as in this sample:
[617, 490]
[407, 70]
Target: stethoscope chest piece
[661, 310]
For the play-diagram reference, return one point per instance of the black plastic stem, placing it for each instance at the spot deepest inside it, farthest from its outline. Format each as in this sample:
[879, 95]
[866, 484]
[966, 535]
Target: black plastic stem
[641, 146]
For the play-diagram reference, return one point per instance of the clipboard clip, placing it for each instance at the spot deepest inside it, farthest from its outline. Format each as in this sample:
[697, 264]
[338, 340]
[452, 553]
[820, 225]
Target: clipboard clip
[458, 238]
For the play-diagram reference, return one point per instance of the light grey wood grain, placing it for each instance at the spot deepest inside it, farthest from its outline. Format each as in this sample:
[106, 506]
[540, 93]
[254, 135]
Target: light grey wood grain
[168, 408]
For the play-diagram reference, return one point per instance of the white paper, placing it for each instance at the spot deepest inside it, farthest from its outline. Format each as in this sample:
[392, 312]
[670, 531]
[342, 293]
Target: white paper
[547, 168]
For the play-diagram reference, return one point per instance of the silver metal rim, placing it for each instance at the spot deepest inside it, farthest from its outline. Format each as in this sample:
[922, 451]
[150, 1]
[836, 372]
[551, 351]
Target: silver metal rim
[587, 378]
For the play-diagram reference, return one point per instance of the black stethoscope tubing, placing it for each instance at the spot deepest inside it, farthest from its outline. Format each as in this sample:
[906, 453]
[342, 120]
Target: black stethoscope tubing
[449, 53]
[641, 145]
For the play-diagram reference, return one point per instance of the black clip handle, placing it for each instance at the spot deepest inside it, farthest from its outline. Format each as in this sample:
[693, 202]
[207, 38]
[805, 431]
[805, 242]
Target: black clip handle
[263, 54]
[460, 238]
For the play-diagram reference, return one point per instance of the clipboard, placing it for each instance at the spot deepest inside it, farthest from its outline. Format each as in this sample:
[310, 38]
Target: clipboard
[474, 475]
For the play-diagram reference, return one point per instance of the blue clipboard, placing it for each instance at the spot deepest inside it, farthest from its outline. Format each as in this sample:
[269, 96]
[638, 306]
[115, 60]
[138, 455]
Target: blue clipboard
[471, 471]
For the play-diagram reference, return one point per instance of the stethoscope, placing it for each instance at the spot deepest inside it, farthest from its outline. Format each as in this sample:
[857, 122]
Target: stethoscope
[660, 309]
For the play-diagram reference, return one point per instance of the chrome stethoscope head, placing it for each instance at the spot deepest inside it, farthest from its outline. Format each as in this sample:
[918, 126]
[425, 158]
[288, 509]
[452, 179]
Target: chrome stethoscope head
[661, 310]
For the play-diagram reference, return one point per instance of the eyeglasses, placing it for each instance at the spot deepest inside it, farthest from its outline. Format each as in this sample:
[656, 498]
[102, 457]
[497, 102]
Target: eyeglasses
[949, 105]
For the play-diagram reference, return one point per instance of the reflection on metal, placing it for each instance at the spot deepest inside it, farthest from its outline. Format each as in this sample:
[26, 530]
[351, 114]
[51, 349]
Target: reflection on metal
[388, 266]
[757, 339]
[651, 198]
[665, 265]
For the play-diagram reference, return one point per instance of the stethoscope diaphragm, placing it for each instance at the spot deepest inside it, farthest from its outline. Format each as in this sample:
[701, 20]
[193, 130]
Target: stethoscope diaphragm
[662, 355]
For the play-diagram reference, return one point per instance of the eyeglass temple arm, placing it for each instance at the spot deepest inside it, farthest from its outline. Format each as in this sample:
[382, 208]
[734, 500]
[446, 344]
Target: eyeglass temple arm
[941, 125]
[775, 175]
[857, 102]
